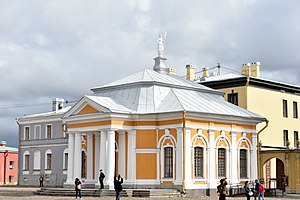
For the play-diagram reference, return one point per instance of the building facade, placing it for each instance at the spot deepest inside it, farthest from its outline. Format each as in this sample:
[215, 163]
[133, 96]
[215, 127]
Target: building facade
[43, 147]
[160, 131]
[8, 165]
[279, 103]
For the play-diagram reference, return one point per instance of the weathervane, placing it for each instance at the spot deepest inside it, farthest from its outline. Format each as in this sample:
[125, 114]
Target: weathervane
[161, 44]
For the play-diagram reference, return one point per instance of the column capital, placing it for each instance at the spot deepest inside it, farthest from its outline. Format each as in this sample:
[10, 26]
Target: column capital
[121, 132]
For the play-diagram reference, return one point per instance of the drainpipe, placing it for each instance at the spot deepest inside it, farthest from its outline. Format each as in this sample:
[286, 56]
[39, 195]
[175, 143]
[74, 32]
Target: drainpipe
[5, 155]
[183, 147]
[259, 146]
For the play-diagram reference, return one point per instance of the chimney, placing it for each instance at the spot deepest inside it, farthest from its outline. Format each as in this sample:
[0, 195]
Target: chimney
[205, 73]
[57, 104]
[3, 144]
[190, 72]
[255, 69]
[246, 69]
[172, 71]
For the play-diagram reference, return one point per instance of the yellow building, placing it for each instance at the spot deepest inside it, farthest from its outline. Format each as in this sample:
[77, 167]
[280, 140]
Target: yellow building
[160, 131]
[278, 102]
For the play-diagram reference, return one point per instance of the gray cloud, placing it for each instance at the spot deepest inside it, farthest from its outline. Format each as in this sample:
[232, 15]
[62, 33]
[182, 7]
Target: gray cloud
[63, 48]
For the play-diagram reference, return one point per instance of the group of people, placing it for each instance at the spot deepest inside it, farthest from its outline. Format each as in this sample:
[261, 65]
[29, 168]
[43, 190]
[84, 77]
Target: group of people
[257, 192]
[117, 184]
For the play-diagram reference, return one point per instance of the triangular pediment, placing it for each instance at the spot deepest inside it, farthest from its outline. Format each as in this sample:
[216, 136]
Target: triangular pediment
[88, 110]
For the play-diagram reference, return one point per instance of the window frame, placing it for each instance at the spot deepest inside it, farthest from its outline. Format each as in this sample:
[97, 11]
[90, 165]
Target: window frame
[233, 98]
[39, 136]
[285, 137]
[26, 134]
[285, 108]
[243, 163]
[26, 161]
[198, 168]
[168, 162]
[295, 109]
[51, 131]
[296, 138]
[222, 171]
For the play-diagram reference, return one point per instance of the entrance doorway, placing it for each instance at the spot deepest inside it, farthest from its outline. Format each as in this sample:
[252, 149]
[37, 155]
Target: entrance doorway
[273, 173]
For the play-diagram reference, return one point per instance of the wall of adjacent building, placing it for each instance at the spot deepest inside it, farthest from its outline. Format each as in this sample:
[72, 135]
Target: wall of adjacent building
[57, 144]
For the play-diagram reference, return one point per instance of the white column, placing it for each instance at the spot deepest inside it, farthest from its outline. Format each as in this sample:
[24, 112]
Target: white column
[90, 162]
[110, 160]
[131, 164]
[77, 155]
[97, 157]
[188, 159]
[234, 166]
[71, 141]
[102, 159]
[254, 174]
[212, 160]
[179, 157]
[122, 153]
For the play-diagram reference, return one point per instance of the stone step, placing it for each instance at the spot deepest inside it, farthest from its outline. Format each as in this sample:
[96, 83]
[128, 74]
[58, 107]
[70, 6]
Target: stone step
[106, 192]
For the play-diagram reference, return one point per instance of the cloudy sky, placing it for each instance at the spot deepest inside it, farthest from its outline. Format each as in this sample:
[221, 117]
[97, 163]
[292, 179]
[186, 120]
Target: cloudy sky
[61, 48]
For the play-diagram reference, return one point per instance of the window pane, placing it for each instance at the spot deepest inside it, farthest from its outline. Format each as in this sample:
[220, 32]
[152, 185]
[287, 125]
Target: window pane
[26, 133]
[221, 162]
[284, 104]
[285, 137]
[49, 156]
[243, 163]
[198, 162]
[49, 131]
[66, 161]
[296, 138]
[295, 109]
[168, 165]
[233, 98]
[26, 162]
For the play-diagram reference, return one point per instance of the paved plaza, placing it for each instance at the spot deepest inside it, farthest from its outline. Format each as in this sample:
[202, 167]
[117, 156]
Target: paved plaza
[12, 193]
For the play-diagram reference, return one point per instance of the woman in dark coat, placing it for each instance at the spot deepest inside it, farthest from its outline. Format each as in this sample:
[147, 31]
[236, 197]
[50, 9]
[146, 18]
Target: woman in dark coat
[78, 188]
[118, 186]
[247, 190]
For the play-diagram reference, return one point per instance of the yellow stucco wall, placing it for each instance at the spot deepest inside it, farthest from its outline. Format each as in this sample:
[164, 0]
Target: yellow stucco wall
[145, 139]
[146, 166]
[242, 93]
[268, 103]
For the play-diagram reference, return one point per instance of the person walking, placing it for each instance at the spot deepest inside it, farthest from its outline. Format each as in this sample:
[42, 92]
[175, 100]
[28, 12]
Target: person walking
[222, 191]
[248, 192]
[256, 189]
[78, 188]
[118, 186]
[41, 179]
[101, 178]
[261, 190]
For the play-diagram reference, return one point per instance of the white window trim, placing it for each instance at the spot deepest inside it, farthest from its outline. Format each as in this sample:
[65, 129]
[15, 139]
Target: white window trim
[64, 163]
[163, 163]
[46, 161]
[25, 132]
[204, 163]
[227, 161]
[37, 161]
[248, 164]
[26, 171]
[35, 136]
[46, 134]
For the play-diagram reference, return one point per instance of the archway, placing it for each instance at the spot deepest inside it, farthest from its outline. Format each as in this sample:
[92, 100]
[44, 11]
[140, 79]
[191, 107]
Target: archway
[273, 171]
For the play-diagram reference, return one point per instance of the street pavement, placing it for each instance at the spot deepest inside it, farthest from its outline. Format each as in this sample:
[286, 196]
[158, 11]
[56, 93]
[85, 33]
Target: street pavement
[18, 193]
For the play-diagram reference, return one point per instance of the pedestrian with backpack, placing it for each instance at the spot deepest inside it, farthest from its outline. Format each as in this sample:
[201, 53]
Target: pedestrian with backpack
[222, 190]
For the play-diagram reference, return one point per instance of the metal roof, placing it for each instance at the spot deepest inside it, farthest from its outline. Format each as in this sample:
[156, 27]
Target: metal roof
[149, 92]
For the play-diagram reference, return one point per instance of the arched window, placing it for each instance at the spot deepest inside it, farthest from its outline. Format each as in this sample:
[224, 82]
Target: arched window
[168, 162]
[243, 163]
[48, 160]
[221, 162]
[198, 162]
[37, 160]
[26, 161]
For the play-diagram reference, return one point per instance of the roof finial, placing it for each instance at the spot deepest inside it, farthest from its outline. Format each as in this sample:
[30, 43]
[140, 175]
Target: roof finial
[160, 65]
[161, 44]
